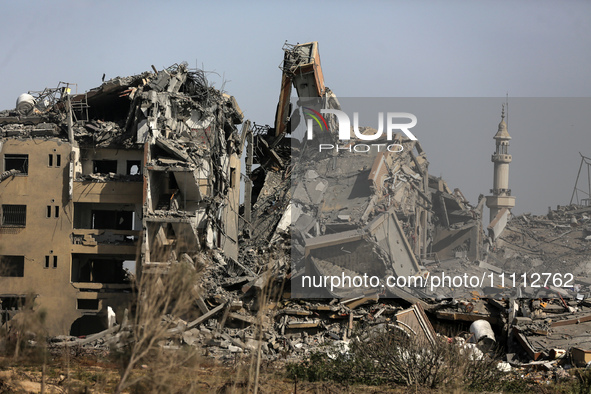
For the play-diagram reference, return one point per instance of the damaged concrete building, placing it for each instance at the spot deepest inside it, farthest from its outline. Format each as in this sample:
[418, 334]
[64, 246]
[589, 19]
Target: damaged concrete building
[375, 213]
[143, 169]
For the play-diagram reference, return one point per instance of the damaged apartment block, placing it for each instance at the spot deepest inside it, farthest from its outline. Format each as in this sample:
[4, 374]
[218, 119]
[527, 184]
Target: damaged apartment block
[143, 169]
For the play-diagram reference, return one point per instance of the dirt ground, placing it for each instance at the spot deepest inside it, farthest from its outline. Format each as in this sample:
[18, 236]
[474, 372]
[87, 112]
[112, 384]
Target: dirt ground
[91, 375]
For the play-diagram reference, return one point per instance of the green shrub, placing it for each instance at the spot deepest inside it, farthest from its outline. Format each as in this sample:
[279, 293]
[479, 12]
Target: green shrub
[392, 357]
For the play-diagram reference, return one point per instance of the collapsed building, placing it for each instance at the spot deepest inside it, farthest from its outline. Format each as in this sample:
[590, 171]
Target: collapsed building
[143, 168]
[340, 208]
[146, 169]
[348, 213]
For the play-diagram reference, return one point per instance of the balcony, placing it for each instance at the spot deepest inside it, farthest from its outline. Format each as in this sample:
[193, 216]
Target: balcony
[97, 241]
[88, 293]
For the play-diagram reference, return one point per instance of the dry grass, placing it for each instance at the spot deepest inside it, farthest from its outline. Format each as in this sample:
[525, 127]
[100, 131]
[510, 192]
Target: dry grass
[88, 375]
[158, 295]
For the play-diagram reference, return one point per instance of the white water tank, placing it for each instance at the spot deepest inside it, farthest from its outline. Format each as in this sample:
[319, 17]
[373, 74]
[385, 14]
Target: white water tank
[483, 333]
[25, 103]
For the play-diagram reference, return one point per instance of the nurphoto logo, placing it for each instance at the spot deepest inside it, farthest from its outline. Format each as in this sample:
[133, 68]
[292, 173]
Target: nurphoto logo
[344, 132]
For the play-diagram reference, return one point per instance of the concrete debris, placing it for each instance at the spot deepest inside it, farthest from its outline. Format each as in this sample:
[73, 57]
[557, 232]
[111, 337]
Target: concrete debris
[8, 174]
[148, 170]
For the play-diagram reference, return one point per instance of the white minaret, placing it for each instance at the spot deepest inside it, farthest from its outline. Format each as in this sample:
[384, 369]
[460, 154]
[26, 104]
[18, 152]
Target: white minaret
[501, 194]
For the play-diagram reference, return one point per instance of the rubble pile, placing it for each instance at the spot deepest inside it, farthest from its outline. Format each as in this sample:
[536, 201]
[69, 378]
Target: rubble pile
[558, 241]
[286, 330]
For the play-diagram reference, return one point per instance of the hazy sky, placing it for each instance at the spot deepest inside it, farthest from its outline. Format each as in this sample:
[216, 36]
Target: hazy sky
[375, 48]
